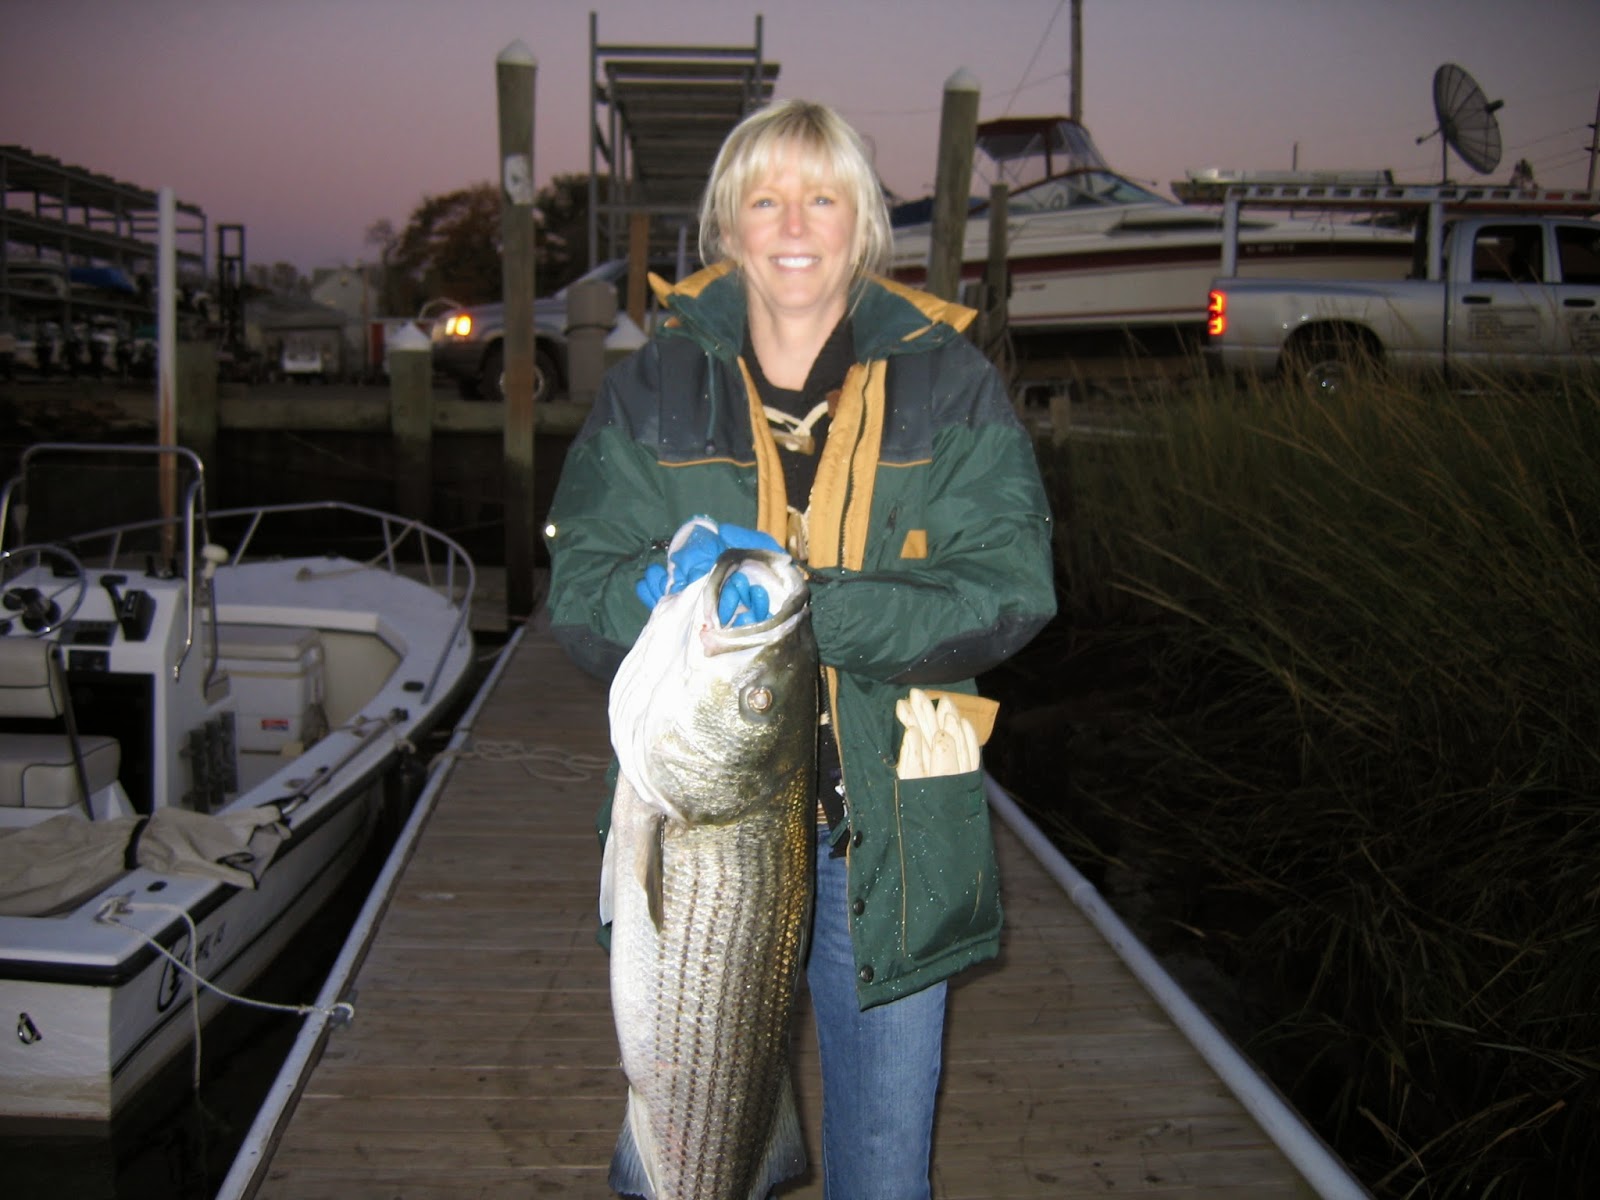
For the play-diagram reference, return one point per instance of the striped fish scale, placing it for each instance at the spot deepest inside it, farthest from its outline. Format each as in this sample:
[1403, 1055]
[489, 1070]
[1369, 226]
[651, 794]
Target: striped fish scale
[748, 898]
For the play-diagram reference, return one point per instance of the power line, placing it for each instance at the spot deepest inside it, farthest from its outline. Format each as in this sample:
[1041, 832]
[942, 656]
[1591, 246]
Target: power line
[1550, 137]
[1060, 4]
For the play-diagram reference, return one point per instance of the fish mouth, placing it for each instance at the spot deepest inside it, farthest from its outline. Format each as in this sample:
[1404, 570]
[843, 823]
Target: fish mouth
[787, 595]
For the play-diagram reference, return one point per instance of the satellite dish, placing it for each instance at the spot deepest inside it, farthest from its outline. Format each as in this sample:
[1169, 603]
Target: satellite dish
[1467, 122]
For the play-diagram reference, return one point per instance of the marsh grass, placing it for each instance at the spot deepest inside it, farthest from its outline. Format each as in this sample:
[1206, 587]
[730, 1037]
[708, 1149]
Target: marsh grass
[1367, 775]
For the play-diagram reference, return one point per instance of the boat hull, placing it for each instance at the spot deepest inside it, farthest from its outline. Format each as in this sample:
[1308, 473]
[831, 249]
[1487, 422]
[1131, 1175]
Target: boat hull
[1106, 281]
[96, 1041]
[1170, 287]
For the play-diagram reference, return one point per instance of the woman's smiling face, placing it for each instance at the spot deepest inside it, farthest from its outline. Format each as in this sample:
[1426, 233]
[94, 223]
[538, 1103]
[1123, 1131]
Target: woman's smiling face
[795, 238]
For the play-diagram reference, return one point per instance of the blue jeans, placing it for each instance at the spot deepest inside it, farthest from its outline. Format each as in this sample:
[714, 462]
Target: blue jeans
[880, 1068]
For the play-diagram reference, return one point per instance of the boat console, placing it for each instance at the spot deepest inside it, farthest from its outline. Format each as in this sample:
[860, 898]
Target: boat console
[132, 675]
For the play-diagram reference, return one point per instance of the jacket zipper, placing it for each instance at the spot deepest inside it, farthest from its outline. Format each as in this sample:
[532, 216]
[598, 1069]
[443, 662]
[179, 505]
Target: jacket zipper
[839, 556]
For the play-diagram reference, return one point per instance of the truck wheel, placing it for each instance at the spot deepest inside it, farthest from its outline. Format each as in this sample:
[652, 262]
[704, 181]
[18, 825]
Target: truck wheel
[1326, 362]
[545, 378]
[493, 377]
[492, 381]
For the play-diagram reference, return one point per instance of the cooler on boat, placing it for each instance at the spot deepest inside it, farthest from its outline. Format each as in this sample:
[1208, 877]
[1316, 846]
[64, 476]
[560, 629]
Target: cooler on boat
[277, 679]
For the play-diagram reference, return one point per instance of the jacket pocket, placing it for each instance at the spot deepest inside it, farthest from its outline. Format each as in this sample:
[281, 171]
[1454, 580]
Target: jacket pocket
[950, 893]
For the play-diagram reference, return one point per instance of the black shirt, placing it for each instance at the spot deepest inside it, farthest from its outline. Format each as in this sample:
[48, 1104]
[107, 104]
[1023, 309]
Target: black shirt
[822, 384]
[800, 436]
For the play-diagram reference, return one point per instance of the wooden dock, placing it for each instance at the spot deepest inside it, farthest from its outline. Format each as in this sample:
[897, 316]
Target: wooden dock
[482, 1062]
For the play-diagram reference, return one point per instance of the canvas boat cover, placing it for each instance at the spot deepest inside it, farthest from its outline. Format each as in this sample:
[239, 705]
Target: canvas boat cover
[49, 867]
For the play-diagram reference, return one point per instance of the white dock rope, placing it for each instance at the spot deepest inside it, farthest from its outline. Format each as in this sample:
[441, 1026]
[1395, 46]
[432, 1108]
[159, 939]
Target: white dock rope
[551, 764]
[340, 1013]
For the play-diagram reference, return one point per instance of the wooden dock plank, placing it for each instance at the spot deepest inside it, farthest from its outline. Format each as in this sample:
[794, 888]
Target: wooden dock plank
[483, 1063]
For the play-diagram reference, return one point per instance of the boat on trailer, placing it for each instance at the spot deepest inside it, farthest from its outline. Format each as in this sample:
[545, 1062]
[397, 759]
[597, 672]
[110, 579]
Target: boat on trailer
[199, 733]
[1089, 250]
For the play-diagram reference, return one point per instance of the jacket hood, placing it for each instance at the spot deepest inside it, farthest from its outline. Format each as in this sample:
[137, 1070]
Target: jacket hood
[886, 317]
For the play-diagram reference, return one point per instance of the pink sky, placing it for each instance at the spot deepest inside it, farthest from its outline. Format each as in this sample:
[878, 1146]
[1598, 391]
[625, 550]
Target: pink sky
[307, 120]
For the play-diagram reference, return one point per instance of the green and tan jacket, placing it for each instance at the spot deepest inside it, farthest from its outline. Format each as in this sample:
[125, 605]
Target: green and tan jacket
[928, 554]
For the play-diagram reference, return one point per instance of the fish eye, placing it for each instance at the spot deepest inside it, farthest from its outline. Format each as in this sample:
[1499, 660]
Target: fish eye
[758, 699]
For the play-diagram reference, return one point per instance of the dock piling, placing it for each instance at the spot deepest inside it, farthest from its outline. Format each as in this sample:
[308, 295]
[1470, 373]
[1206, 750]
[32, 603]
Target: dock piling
[515, 72]
[411, 420]
[958, 132]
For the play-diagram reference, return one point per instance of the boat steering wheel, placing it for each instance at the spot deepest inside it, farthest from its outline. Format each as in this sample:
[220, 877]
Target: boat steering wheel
[40, 611]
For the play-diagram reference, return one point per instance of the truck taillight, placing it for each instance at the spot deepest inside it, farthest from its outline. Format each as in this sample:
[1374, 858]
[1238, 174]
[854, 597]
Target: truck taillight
[1217, 314]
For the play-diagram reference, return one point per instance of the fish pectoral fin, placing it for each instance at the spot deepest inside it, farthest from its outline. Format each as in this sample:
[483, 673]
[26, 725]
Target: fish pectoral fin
[633, 1161]
[785, 1155]
[608, 881]
[651, 870]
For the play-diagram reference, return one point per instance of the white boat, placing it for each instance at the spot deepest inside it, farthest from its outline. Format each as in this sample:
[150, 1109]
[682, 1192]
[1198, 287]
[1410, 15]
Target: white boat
[1090, 250]
[198, 734]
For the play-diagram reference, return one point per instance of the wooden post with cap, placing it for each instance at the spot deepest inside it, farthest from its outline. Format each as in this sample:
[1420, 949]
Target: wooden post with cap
[515, 72]
[958, 131]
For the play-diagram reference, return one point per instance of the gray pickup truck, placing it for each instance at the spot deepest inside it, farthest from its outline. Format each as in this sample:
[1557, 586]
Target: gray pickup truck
[468, 343]
[1502, 284]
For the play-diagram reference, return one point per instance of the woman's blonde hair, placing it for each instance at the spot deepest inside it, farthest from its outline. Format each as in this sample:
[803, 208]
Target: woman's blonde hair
[827, 148]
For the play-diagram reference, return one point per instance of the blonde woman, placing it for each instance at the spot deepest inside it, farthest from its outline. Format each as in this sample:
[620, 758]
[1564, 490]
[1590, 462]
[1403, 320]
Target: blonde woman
[796, 395]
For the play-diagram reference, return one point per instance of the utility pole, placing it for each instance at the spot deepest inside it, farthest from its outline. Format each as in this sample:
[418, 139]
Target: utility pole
[1076, 112]
[1594, 141]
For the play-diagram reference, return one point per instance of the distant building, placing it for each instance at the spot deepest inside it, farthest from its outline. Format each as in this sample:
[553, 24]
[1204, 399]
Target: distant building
[357, 292]
[274, 322]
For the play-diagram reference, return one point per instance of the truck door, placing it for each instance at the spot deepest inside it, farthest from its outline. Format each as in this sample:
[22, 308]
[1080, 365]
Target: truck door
[1578, 293]
[1502, 311]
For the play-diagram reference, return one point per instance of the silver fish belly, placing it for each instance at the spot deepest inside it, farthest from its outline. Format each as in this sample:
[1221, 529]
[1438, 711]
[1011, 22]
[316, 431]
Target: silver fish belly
[707, 882]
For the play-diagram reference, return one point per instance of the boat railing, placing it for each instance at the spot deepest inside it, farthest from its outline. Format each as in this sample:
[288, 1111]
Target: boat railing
[444, 565]
[402, 543]
[404, 546]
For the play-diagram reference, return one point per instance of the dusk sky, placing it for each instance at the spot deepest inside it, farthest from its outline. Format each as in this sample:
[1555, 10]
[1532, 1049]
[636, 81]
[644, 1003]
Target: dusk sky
[308, 120]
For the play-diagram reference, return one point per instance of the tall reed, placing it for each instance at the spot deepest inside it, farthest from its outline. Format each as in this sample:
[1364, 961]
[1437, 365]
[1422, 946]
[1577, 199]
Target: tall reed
[1367, 764]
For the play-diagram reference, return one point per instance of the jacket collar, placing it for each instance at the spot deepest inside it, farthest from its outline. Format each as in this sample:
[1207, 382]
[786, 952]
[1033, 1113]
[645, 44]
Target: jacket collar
[886, 318]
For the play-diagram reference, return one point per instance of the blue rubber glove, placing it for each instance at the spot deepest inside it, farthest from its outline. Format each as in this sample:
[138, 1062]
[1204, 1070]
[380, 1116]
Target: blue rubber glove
[737, 537]
[653, 586]
[697, 555]
[702, 548]
[742, 602]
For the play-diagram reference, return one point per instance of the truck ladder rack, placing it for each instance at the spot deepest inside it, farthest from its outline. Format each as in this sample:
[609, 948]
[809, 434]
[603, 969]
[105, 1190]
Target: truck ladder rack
[1439, 199]
[1474, 198]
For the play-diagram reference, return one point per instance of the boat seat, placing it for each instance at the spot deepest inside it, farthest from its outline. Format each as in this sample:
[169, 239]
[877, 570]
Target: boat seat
[39, 766]
[37, 769]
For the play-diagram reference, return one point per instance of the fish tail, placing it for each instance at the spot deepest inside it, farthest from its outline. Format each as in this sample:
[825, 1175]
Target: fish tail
[630, 1163]
[785, 1155]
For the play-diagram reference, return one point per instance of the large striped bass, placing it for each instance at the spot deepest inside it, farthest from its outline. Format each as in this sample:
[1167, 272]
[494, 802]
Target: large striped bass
[707, 881]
